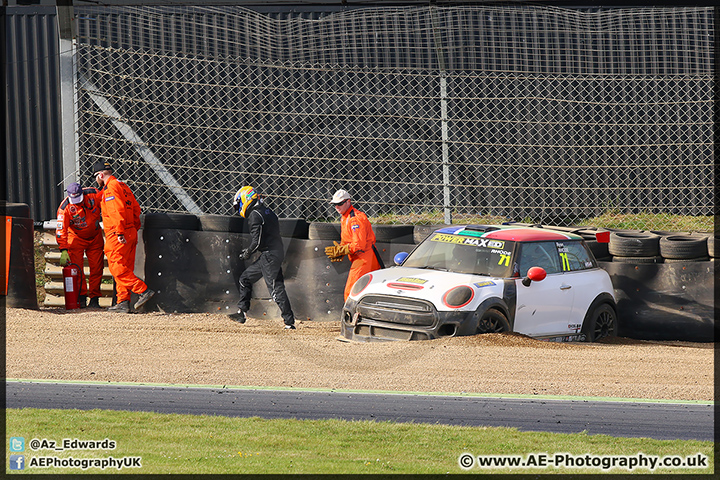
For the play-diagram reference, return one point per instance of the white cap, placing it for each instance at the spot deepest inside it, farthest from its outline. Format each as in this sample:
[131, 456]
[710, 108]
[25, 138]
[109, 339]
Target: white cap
[339, 197]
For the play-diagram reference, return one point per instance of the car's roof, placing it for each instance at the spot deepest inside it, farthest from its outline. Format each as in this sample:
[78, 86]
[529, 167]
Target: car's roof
[510, 233]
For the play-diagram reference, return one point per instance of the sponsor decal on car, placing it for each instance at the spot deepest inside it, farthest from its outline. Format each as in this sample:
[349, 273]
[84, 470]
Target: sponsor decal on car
[460, 240]
[566, 338]
[484, 284]
[412, 280]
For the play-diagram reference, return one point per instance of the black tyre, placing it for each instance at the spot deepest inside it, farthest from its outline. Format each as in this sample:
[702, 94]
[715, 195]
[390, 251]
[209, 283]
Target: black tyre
[599, 250]
[324, 231]
[393, 233]
[683, 246]
[634, 244]
[421, 232]
[222, 223]
[655, 259]
[711, 246]
[684, 260]
[294, 228]
[493, 321]
[176, 221]
[600, 322]
[665, 233]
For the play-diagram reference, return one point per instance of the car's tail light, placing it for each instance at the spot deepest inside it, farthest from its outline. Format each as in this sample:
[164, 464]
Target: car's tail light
[360, 284]
[458, 297]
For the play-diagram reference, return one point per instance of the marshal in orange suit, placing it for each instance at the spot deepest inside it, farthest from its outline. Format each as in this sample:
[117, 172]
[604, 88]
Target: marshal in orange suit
[78, 233]
[357, 241]
[121, 221]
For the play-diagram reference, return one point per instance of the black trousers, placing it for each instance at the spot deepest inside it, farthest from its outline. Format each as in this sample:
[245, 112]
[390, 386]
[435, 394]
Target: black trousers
[268, 266]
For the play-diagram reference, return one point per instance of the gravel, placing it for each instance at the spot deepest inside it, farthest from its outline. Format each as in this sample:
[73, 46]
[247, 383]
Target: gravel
[210, 349]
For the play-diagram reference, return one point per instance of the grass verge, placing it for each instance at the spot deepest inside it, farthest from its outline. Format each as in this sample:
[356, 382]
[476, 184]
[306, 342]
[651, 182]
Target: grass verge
[610, 219]
[186, 444]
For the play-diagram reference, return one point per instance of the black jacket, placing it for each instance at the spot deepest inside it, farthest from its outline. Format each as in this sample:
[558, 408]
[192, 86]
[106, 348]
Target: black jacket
[264, 229]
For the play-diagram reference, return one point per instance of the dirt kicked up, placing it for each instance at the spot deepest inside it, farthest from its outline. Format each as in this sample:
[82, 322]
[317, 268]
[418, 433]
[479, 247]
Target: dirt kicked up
[210, 349]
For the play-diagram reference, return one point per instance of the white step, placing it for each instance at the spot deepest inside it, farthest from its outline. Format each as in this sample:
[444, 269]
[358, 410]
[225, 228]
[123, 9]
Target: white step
[55, 271]
[58, 288]
[54, 258]
[59, 301]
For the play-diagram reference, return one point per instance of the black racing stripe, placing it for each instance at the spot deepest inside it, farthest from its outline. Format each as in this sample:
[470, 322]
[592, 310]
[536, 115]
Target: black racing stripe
[352, 212]
[65, 203]
[510, 299]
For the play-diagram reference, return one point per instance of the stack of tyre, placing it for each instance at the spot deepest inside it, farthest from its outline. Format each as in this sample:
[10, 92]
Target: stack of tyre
[647, 247]
[19, 272]
[192, 261]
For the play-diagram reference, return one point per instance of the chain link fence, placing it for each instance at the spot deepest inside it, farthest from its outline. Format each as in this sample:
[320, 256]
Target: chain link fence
[423, 113]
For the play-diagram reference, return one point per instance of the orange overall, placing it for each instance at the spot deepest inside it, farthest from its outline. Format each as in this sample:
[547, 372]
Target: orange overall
[357, 232]
[78, 231]
[121, 216]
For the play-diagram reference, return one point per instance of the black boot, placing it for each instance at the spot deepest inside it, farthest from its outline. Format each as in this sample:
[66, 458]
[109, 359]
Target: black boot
[238, 317]
[122, 307]
[144, 297]
[94, 302]
[82, 301]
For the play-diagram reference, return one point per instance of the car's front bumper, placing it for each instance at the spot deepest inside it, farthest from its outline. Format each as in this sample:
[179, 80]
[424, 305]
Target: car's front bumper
[387, 324]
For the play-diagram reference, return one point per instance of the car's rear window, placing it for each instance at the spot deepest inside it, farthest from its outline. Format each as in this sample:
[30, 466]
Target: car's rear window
[464, 254]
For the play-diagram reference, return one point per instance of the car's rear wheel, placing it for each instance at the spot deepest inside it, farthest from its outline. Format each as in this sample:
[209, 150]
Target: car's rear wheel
[493, 321]
[600, 322]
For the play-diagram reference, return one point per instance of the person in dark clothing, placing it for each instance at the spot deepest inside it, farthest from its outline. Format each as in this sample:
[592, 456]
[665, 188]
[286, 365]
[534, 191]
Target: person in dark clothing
[265, 238]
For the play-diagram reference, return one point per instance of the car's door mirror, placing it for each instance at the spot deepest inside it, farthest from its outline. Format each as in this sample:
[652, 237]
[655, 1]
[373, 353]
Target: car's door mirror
[400, 258]
[535, 274]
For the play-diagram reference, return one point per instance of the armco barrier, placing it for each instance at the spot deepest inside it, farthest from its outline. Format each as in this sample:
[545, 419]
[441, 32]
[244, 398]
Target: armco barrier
[196, 271]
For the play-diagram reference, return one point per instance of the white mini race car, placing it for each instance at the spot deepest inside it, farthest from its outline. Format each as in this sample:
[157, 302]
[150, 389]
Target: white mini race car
[465, 280]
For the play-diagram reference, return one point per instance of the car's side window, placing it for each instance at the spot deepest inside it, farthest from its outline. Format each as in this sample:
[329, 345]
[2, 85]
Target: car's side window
[539, 254]
[574, 256]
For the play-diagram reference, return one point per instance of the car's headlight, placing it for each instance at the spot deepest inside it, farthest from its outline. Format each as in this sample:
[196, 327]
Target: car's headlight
[360, 284]
[458, 297]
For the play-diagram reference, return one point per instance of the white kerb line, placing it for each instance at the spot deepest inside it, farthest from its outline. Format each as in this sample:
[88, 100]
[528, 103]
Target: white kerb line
[140, 146]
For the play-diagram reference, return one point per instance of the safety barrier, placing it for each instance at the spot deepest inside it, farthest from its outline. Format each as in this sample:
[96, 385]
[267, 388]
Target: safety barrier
[18, 274]
[196, 269]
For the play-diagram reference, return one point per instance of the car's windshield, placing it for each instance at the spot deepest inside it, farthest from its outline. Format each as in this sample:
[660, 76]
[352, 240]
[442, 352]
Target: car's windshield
[463, 254]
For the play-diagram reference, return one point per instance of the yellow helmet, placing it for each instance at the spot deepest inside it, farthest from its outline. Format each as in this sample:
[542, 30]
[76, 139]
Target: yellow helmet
[243, 198]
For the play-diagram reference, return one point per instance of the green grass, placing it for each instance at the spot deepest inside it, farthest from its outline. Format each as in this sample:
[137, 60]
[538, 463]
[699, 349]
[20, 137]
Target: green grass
[214, 445]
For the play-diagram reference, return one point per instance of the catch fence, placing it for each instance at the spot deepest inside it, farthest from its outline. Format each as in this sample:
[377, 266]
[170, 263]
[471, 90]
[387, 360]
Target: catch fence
[429, 113]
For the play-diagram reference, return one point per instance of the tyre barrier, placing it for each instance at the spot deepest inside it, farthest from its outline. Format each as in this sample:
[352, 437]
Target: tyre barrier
[638, 260]
[222, 223]
[19, 210]
[294, 228]
[711, 246]
[674, 247]
[421, 232]
[664, 301]
[180, 221]
[197, 270]
[393, 233]
[634, 244]
[324, 231]
[18, 282]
